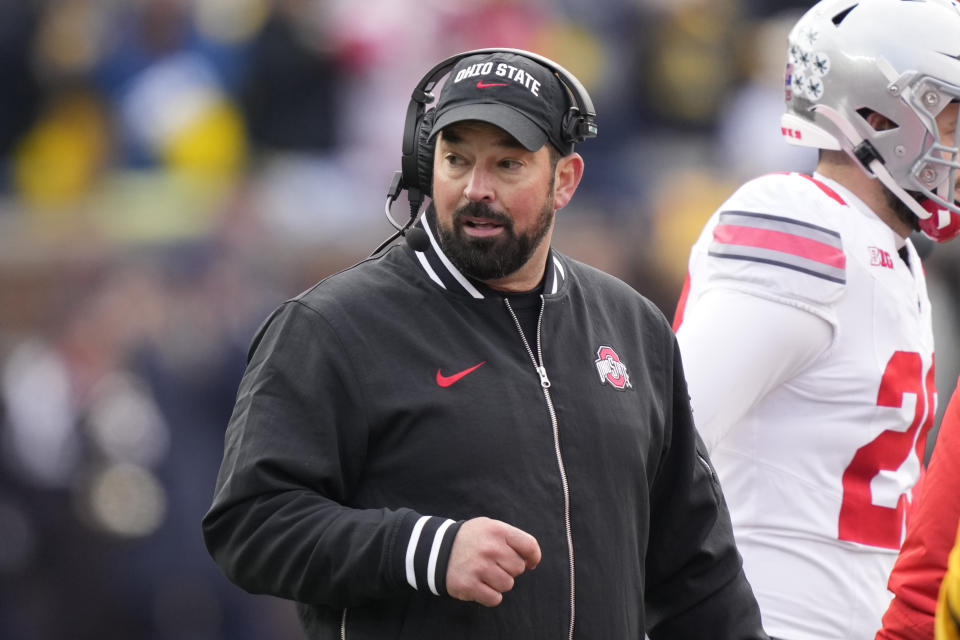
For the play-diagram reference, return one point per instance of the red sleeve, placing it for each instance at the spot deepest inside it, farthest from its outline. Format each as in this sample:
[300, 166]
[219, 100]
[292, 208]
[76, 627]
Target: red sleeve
[681, 304]
[931, 530]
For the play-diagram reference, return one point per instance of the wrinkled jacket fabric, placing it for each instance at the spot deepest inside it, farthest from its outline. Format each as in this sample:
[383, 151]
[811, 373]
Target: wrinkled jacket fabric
[348, 467]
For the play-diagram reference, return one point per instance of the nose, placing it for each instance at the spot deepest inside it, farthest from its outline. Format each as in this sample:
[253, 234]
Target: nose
[479, 187]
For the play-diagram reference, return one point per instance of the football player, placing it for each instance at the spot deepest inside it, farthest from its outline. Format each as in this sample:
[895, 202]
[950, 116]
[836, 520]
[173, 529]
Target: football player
[805, 326]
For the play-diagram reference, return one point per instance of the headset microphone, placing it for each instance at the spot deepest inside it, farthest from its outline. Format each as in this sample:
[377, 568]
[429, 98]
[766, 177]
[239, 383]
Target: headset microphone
[417, 239]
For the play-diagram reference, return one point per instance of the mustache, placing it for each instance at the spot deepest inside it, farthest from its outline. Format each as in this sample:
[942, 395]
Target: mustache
[482, 210]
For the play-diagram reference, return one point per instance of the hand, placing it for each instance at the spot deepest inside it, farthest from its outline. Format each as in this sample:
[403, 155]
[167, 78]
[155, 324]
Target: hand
[486, 557]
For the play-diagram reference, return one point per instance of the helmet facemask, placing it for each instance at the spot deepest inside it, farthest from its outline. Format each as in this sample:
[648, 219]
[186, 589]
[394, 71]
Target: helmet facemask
[936, 174]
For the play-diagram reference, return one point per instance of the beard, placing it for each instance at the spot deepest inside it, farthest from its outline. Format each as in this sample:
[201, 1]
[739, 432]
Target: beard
[901, 210]
[490, 258]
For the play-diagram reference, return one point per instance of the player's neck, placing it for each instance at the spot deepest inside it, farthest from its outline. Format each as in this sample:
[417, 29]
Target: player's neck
[870, 190]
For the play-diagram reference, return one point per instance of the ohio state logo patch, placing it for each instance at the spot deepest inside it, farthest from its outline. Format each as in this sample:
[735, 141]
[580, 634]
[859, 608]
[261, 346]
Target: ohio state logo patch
[611, 369]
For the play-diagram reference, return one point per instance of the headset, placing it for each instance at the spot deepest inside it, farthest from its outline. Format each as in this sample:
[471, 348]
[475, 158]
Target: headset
[416, 163]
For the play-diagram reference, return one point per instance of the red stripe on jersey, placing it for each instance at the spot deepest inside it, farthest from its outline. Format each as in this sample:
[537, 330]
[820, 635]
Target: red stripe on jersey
[826, 189]
[823, 186]
[780, 241]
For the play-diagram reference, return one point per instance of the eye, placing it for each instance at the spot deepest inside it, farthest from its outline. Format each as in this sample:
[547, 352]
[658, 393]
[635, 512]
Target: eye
[453, 160]
[510, 163]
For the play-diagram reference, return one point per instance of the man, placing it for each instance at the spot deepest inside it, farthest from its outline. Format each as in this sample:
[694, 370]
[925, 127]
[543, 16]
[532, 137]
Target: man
[805, 325]
[479, 438]
[931, 532]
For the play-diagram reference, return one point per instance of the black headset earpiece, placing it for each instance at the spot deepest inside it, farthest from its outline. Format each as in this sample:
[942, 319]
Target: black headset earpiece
[425, 153]
[416, 162]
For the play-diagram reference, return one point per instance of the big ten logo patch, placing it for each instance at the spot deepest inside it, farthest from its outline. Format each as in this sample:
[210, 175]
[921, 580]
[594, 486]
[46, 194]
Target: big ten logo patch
[880, 258]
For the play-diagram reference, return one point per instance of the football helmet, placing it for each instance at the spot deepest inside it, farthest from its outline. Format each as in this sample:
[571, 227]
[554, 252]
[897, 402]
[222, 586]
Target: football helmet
[898, 58]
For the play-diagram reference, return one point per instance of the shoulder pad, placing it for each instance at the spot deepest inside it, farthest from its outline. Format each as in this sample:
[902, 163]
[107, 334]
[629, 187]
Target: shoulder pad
[776, 237]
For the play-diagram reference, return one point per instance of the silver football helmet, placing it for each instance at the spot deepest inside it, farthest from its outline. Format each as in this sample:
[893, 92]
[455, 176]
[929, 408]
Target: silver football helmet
[898, 58]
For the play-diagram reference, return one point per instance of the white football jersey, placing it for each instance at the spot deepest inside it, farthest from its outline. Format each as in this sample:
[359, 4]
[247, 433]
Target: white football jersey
[817, 471]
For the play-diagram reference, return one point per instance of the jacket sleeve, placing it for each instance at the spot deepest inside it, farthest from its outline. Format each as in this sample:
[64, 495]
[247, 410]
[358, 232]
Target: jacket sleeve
[931, 525]
[295, 446]
[696, 587]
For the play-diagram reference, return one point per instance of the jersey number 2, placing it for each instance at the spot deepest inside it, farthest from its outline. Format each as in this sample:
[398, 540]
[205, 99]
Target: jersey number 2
[860, 519]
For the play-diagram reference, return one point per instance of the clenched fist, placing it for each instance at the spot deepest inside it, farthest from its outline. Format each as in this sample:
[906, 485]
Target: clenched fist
[486, 557]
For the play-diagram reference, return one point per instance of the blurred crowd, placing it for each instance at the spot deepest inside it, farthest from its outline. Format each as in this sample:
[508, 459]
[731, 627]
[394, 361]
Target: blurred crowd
[170, 170]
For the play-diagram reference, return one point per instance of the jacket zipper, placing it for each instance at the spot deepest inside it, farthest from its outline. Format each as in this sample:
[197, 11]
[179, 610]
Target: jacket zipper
[545, 385]
[343, 625]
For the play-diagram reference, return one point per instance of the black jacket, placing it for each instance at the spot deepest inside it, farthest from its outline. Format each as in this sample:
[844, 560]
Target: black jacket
[358, 444]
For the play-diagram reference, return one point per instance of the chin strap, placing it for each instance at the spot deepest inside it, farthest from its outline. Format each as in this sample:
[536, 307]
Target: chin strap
[871, 159]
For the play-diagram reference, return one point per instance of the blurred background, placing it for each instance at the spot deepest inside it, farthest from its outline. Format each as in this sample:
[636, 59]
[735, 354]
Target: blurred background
[171, 170]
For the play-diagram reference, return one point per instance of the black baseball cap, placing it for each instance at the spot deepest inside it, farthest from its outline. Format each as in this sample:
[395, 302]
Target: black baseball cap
[510, 91]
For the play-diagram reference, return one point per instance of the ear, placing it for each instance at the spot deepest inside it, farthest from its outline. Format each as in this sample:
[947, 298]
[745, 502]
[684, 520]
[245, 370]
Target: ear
[566, 179]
